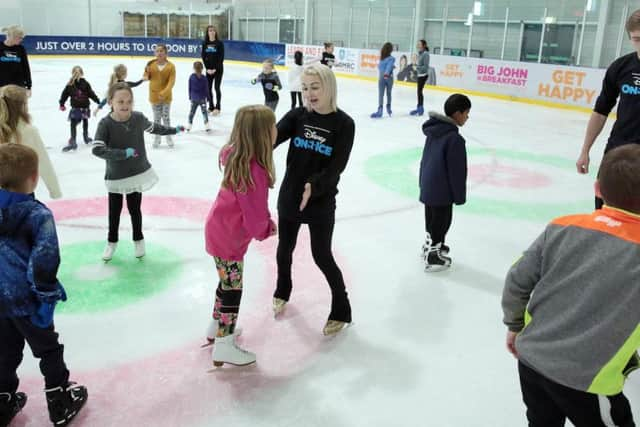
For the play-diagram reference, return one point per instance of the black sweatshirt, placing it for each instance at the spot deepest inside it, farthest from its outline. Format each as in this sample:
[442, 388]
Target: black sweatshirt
[213, 55]
[622, 79]
[80, 93]
[14, 66]
[269, 82]
[318, 153]
[328, 59]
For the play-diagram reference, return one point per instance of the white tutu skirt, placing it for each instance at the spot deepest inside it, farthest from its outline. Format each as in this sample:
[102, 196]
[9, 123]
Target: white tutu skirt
[138, 183]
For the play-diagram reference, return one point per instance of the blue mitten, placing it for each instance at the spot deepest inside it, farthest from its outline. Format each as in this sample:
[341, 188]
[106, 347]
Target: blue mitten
[43, 317]
[180, 129]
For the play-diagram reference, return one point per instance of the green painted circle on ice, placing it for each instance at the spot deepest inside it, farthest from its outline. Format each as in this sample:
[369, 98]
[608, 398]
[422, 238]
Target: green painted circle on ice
[392, 171]
[93, 285]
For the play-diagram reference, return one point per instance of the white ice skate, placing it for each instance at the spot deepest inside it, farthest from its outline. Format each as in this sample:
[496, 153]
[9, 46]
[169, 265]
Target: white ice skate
[139, 249]
[332, 327]
[188, 128]
[227, 351]
[109, 250]
[207, 127]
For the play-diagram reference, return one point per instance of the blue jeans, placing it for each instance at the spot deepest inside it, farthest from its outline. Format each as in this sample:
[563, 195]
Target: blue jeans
[382, 85]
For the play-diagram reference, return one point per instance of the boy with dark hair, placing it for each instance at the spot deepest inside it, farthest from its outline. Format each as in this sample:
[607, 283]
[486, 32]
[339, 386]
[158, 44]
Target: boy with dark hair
[29, 290]
[443, 177]
[621, 84]
[571, 306]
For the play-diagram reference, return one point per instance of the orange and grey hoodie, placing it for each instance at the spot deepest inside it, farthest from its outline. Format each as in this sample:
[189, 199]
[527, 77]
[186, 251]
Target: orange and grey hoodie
[573, 297]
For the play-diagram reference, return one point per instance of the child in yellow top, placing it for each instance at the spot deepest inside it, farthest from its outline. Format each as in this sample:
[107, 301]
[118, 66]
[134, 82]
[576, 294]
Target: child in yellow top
[161, 75]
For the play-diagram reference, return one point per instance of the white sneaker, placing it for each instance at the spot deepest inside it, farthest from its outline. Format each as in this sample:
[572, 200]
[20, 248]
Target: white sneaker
[207, 127]
[170, 142]
[109, 251]
[139, 249]
[227, 351]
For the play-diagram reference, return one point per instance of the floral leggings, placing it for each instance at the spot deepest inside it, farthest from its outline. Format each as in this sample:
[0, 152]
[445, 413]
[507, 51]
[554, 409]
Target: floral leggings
[228, 295]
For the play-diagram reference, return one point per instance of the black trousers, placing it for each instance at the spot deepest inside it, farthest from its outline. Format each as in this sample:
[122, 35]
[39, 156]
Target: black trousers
[214, 80]
[14, 331]
[321, 234]
[295, 95]
[85, 127]
[549, 404]
[421, 82]
[437, 221]
[134, 201]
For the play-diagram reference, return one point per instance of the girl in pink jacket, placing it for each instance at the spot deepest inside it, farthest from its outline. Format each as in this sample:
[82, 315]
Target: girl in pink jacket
[239, 214]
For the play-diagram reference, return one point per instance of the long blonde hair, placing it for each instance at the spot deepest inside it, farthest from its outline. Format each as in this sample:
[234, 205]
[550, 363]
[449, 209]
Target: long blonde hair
[250, 139]
[13, 108]
[76, 74]
[119, 74]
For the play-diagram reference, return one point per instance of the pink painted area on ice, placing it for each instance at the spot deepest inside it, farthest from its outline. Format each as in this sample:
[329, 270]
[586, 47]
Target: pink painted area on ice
[179, 207]
[174, 387]
[507, 176]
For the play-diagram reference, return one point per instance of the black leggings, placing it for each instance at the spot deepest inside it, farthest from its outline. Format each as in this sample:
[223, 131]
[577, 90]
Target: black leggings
[421, 82]
[134, 201]
[321, 234]
[217, 78]
[437, 220]
[85, 128]
[295, 95]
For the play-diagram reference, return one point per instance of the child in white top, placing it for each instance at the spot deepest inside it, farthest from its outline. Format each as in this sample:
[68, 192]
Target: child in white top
[295, 83]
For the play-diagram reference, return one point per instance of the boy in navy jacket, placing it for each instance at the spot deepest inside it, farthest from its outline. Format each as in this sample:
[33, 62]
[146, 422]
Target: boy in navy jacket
[29, 290]
[443, 177]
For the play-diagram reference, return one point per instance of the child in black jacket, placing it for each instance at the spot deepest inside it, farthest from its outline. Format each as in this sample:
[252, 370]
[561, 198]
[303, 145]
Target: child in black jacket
[79, 90]
[270, 84]
[443, 177]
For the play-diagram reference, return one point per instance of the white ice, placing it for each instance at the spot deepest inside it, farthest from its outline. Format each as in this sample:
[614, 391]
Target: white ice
[424, 350]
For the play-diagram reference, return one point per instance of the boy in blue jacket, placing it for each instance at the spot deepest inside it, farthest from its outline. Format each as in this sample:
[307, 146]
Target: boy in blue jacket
[443, 177]
[29, 290]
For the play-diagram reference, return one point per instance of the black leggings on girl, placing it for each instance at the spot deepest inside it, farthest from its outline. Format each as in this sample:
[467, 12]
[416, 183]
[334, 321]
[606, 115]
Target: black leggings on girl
[134, 201]
[214, 80]
[321, 234]
[85, 128]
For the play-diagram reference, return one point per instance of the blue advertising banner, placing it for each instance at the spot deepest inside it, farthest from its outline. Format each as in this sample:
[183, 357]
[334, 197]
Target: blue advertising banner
[133, 46]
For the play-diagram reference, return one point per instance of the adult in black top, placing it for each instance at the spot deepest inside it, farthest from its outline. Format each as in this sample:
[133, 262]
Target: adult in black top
[622, 80]
[213, 58]
[14, 64]
[321, 137]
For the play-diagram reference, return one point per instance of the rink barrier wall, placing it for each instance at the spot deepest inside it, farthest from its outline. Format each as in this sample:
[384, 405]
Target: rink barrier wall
[553, 86]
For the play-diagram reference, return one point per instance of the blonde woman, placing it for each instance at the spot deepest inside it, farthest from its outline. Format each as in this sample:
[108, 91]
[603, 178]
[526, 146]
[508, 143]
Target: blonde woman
[14, 64]
[321, 137]
[16, 128]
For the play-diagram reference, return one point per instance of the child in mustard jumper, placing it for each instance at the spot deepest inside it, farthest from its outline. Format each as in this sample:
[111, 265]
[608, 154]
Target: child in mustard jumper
[162, 76]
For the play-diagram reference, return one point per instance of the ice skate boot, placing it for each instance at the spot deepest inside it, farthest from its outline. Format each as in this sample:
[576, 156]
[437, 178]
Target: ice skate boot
[227, 351]
[10, 405]
[278, 306]
[139, 248]
[109, 250]
[436, 260]
[64, 403]
[71, 145]
[377, 114]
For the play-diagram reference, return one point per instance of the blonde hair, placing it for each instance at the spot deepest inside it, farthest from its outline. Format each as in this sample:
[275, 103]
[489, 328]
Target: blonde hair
[13, 108]
[17, 164]
[633, 22]
[119, 73]
[13, 31]
[327, 80]
[76, 74]
[250, 139]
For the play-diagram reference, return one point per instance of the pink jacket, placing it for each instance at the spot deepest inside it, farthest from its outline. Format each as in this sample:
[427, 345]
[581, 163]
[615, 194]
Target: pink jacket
[236, 218]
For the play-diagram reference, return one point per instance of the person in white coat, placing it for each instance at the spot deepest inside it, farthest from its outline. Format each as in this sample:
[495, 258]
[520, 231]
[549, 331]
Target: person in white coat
[295, 82]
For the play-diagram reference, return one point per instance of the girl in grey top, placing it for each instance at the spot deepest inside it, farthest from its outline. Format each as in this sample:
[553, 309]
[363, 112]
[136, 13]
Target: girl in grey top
[120, 141]
[422, 67]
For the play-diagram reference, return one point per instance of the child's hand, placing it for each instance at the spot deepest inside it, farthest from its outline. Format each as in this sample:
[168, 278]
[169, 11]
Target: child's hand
[95, 112]
[306, 195]
[180, 129]
[130, 152]
[63, 108]
[43, 317]
[386, 76]
[274, 228]
[511, 343]
[275, 88]
[253, 81]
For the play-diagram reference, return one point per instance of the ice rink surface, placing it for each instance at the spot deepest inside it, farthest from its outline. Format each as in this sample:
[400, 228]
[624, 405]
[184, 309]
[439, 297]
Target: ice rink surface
[424, 350]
